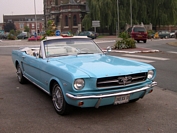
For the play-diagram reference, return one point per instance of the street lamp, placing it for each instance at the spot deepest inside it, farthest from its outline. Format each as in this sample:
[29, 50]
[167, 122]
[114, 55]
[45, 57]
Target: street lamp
[35, 17]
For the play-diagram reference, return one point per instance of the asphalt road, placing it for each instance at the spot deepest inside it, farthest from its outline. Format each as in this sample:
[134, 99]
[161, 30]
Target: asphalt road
[25, 108]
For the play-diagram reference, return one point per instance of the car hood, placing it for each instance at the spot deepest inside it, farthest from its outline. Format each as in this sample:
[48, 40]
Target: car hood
[102, 65]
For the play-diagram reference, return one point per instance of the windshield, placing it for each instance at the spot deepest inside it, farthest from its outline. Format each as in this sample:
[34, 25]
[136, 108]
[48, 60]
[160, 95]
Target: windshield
[139, 29]
[70, 46]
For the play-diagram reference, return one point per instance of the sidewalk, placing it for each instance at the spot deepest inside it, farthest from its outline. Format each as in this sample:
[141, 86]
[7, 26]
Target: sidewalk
[132, 50]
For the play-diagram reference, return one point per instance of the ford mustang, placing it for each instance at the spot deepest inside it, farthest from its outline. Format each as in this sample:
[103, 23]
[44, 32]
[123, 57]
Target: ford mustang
[74, 71]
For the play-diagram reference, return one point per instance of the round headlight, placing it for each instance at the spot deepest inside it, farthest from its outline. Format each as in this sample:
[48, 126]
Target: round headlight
[150, 74]
[79, 84]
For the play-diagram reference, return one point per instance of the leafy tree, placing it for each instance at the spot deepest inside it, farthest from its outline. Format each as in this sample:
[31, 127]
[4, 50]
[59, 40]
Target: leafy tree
[9, 26]
[146, 11]
[26, 29]
[51, 28]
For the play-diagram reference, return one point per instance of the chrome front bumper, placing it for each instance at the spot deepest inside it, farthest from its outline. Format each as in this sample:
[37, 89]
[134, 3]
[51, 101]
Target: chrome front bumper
[78, 97]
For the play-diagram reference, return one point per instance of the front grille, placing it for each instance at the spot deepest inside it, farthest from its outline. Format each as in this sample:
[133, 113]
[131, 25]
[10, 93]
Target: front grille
[121, 80]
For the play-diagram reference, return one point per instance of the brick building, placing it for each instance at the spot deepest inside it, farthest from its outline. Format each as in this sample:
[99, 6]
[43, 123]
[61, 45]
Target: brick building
[67, 14]
[21, 21]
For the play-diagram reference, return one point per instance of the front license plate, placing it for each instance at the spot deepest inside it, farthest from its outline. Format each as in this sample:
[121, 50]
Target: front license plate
[122, 99]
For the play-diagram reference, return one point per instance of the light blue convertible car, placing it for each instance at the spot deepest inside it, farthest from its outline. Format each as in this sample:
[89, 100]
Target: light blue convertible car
[75, 72]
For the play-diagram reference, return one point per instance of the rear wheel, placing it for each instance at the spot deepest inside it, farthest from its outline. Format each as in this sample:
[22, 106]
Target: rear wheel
[138, 41]
[20, 77]
[59, 102]
[145, 41]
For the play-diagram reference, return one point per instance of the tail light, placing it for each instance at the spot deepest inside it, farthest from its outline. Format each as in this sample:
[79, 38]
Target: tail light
[132, 34]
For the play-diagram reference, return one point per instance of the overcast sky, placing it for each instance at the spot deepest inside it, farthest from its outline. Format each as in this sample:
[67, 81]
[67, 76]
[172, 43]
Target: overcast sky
[19, 7]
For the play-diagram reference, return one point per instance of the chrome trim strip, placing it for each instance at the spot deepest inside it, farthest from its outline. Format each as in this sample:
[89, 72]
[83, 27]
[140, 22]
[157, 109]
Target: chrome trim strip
[37, 85]
[133, 78]
[113, 94]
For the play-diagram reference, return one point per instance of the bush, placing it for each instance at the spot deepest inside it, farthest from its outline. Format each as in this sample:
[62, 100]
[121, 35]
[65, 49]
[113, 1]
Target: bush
[123, 35]
[125, 43]
[11, 37]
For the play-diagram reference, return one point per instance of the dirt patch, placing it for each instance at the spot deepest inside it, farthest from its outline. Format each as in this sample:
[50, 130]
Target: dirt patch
[172, 43]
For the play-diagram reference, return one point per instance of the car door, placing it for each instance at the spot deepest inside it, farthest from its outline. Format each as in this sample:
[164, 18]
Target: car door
[30, 66]
[35, 70]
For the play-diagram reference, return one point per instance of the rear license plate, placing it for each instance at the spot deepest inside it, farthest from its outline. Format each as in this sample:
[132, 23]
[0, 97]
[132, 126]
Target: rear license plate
[122, 99]
[139, 35]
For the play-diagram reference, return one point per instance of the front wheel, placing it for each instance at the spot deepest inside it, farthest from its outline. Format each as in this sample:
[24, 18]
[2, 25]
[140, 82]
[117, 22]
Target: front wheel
[20, 77]
[144, 41]
[59, 102]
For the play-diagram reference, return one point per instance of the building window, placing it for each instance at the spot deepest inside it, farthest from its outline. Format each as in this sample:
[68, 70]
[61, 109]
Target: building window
[66, 20]
[38, 25]
[33, 25]
[21, 26]
[56, 2]
[74, 20]
[9, 20]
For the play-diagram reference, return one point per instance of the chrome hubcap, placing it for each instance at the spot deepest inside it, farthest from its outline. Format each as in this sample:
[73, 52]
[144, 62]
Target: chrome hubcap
[57, 97]
[19, 74]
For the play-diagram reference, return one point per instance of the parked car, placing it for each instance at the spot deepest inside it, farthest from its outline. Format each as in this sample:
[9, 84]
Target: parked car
[164, 34]
[172, 33]
[1, 35]
[76, 72]
[4, 35]
[66, 33]
[138, 33]
[33, 38]
[96, 34]
[89, 34]
[22, 35]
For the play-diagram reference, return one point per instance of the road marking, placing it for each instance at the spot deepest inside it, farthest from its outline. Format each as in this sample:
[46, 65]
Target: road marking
[161, 39]
[172, 52]
[141, 60]
[146, 57]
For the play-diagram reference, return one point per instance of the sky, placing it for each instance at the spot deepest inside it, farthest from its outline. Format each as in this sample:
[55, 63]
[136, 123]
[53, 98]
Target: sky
[20, 7]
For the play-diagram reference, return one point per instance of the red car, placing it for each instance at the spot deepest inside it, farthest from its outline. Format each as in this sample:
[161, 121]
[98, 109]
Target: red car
[138, 33]
[33, 38]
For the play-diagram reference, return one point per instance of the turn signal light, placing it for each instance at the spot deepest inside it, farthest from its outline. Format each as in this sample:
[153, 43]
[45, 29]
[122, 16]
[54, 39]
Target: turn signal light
[80, 103]
[150, 91]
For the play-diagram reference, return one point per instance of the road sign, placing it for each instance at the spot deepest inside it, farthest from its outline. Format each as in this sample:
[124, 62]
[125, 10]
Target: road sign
[57, 33]
[95, 23]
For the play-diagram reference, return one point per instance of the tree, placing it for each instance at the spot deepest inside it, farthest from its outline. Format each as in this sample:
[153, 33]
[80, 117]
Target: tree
[26, 29]
[146, 11]
[51, 28]
[9, 26]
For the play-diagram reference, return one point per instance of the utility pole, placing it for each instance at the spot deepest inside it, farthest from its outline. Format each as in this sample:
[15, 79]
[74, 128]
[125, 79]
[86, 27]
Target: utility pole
[117, 17]
[131, 12]
[35, 17]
